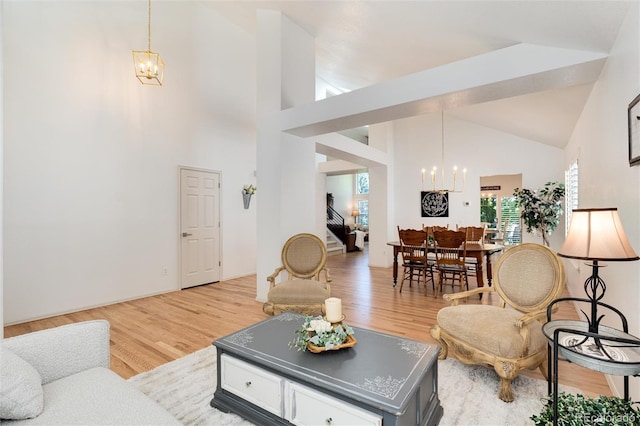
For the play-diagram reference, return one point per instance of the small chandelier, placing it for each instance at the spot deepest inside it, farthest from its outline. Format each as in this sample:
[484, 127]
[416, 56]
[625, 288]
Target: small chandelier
[148, 65]
[434, 174]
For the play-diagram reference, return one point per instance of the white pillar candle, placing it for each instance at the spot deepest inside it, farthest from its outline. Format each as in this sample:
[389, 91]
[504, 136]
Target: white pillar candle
[333, 309]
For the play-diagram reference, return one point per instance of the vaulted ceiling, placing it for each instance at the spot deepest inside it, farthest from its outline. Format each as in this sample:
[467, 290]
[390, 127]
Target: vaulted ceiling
[361, 43]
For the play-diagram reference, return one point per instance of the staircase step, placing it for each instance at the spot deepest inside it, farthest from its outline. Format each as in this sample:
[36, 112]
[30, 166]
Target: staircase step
[333, 250]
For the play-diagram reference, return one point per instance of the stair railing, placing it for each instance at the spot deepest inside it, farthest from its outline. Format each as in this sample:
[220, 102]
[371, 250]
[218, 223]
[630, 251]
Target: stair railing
[336, 224]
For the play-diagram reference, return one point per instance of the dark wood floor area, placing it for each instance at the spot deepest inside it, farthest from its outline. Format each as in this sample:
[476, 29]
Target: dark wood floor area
[151, 331]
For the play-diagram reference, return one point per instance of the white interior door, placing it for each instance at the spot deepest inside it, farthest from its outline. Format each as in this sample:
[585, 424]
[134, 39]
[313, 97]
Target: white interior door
[199, 227]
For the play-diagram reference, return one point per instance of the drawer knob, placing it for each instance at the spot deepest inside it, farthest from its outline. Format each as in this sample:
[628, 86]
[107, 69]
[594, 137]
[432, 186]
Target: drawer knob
[247, 384]
[329, 421]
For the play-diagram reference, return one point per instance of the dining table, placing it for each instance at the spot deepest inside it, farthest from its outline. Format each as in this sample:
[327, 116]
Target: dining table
[478, 251]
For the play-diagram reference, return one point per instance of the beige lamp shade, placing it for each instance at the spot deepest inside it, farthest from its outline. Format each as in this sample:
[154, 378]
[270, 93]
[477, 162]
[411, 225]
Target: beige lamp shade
[355, 213]
[597, 234]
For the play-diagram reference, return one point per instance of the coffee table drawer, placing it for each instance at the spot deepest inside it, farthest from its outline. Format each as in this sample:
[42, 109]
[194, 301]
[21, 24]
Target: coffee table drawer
[254, 385]
[309, 407]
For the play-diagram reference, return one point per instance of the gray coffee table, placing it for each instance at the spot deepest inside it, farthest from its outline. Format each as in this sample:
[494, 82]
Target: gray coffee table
[383, 379]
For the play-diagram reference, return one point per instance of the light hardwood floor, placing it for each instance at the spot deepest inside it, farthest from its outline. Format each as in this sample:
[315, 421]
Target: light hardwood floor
[148, 332]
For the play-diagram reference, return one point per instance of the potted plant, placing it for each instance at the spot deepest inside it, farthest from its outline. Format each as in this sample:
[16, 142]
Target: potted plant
[580, 410]
[540, 210]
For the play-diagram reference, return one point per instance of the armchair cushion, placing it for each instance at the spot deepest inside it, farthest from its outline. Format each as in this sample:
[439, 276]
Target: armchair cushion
[299, 292]
[490, 329]
[21, 395]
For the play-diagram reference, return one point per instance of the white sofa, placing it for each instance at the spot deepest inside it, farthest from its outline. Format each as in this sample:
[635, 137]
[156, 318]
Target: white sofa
[76, 384]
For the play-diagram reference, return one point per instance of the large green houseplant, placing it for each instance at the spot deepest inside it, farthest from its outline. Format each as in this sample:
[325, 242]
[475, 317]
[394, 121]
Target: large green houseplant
[541, 210]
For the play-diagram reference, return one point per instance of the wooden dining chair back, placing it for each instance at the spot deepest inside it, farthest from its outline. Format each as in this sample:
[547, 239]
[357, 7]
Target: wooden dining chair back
[475, 236]
[451, 250]
[430, 229]
[415, 262]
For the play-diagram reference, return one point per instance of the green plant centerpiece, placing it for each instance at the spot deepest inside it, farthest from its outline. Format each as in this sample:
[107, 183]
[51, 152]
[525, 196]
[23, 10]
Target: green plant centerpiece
[540, 210]
[576, 410]
[321, 334]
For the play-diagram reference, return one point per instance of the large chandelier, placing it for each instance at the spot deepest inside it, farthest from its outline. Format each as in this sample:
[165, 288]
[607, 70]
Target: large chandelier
[434, 171]
[148, 65]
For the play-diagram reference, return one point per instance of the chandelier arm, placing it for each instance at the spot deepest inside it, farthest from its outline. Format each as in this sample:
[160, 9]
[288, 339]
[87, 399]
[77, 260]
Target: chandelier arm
[442, 151]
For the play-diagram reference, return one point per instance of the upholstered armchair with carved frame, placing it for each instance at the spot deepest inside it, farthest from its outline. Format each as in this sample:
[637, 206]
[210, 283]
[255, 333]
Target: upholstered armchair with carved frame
[304, 258]
[527, 278]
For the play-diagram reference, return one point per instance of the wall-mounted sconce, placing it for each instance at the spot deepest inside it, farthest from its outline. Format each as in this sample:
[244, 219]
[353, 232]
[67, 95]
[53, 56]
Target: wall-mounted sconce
[247, 192]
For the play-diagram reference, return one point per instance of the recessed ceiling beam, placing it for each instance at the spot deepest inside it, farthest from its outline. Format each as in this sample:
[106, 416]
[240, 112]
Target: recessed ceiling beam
[338, 146]
[512, 71]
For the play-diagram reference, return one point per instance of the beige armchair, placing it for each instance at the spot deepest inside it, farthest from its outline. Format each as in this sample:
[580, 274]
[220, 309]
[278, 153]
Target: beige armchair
[527, 277]
[304, 257]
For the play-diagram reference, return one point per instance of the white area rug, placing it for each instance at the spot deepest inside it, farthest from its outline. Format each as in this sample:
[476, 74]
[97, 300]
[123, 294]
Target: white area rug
[468, 394]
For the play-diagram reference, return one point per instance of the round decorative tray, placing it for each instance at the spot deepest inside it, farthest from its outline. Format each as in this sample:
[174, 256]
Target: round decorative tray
[620, 359]
[349, 343]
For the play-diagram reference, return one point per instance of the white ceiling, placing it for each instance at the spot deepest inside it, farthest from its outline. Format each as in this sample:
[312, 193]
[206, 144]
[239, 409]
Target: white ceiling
[360, 43]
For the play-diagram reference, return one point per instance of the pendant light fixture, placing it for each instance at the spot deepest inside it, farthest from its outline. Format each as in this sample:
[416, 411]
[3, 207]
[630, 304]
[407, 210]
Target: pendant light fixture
[148, 65]
[434, 174]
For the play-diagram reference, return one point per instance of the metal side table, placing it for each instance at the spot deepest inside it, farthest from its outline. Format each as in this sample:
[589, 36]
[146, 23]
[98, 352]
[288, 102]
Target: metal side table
[609, 350]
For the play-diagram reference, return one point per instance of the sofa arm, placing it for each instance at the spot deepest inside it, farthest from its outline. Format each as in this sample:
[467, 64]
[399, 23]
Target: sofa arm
[62, 351]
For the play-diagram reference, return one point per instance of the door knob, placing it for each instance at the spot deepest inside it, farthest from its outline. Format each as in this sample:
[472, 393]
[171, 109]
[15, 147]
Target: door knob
[186, 234]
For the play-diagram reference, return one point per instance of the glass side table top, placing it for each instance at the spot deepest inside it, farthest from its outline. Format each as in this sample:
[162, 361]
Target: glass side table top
[603, 355]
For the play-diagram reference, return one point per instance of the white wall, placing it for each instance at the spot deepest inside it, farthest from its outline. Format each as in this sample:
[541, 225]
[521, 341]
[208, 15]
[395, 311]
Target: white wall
[1, 177]
[92, 156]
[600, 142]
[417, 143]
[342, 187]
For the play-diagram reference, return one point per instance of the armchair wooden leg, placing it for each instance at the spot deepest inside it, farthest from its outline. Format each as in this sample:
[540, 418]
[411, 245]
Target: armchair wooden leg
[444, 348]
[505, 393]
[267, 308]
[507, 372]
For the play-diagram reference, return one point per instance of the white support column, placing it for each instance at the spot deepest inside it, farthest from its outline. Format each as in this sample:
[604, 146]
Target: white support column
[381, 217]
[286, 169]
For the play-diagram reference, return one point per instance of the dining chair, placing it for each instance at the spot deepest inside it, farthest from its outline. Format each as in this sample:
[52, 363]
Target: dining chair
[415, 261]
[451, 250]
[474, 235]
[500, 236]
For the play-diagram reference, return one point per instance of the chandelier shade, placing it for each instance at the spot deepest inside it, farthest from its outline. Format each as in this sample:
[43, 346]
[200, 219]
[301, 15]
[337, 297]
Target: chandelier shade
[148, 65]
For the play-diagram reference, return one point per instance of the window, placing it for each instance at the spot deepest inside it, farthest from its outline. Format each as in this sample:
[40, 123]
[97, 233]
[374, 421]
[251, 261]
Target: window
[502, 215]
[362, 198]
[488, 211]
[570, 194]
[363, 209]
[362, 183]
[510, 215]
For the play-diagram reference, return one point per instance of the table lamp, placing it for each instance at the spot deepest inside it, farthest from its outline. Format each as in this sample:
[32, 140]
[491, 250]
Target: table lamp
[594, 235]
[355, 214]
